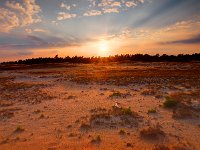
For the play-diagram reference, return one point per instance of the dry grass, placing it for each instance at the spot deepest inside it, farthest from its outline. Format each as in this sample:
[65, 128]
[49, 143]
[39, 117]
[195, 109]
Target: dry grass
[161, 147]
[122, 132]
[19, 130]
[118, 75]
[152, 132]
[184, 112]
[110, 118]
[32, 96]
[148, 92]
[22, 91]
[71, 97]
[96, 140]
[178, 146]
[8, 113]
[150, 111]
[117, 94]
[5, 103]
[84, 126]
[170, 103]
[182, 104]
[114, 118]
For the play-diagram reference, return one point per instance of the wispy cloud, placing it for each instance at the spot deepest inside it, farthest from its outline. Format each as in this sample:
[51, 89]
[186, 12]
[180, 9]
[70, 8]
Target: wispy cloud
[92, 13]
[110, 10]
[130, 4]
[63, 5]
[64, 16]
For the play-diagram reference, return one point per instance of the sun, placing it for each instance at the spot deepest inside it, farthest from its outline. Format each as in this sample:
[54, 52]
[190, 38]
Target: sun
[103, 47]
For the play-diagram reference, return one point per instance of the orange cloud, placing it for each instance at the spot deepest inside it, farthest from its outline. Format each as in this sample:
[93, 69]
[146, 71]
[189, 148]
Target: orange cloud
[64, 16]
[18, 14]
[92, 13]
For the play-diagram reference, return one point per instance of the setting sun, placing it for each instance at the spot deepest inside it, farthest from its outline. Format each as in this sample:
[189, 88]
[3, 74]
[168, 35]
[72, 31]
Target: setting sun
[103, 47]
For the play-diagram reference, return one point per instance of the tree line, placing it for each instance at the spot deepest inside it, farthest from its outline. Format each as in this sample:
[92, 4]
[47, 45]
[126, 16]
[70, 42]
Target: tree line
[115, 58]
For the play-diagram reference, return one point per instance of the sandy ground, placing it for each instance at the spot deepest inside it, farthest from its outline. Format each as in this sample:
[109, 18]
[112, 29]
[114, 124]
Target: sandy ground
[100, 106]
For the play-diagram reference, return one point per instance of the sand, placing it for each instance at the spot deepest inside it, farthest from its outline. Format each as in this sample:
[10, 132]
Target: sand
[112, 106]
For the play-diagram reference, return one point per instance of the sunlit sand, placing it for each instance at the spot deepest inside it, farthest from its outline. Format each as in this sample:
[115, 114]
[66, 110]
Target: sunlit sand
[105, 106]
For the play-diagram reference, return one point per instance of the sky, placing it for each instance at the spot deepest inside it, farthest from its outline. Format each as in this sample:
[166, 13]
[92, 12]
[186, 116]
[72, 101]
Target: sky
[45, 28]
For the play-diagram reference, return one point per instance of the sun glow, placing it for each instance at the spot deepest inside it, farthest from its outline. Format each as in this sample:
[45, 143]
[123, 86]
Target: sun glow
[103, 47]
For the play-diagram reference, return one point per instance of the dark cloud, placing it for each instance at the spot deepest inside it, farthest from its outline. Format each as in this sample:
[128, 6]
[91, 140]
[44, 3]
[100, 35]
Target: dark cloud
[36, 40]
[24, 53]
[193, 40]
[162, 13]
[44, 41]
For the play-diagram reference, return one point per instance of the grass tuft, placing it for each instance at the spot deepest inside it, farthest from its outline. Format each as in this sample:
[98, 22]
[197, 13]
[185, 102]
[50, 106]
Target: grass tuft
[152, 132]
[116, 94]
[96, 140]
[19, 130]
[41, 116]
[170, 103]
[127, 111]
[122, 132]
[152, 111]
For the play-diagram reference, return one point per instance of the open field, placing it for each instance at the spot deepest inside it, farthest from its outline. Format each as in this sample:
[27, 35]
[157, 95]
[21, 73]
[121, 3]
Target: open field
[112, 106]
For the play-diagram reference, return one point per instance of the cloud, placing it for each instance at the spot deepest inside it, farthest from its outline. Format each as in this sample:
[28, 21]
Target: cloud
[30, 31]
[141, 1]
[18, 14]
[54, 22]
[96, 7]
[92, 3]
[24, 53]
[39, 41]
[192, 40]
[92, 13]
[116, 4]
[40, 30]
[112, 6]
[130, 4]
[64, 16]
[110, 10]
[63, 5]
[104, 3]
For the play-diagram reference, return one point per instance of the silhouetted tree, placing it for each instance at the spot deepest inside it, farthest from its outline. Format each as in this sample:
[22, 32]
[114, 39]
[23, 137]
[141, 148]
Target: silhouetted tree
[116, 58]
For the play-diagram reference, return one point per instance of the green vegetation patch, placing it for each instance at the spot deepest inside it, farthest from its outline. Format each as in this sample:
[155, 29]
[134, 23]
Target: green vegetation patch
[170, 103]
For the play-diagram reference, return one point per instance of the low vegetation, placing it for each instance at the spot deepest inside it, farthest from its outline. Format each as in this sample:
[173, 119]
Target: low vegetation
[176, 146]
[71, 97]
[96, 140]
[117, 94]
[42, 116]
[152, 132]
[170, 103]
[149, 92]
[85, 126]
[110, 118]
[182, 105]
[127, 111]
[122, 132]
[19, 130]
[151, 111]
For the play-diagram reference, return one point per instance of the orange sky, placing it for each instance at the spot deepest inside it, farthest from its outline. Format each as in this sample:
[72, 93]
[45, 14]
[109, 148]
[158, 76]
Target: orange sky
[98, 28]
